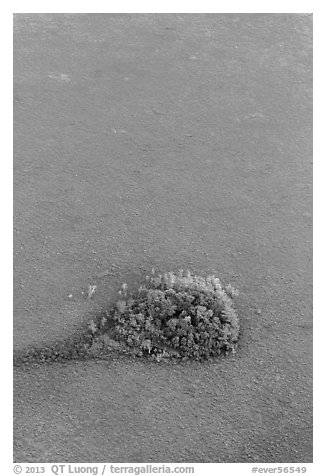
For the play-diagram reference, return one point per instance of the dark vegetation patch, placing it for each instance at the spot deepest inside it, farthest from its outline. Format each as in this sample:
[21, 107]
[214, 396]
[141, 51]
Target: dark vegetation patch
[173, 316]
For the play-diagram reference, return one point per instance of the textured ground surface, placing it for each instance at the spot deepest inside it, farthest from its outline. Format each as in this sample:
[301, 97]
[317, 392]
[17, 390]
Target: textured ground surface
[164, 141]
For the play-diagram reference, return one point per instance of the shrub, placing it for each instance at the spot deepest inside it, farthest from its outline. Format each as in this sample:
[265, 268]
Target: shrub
[174, 315]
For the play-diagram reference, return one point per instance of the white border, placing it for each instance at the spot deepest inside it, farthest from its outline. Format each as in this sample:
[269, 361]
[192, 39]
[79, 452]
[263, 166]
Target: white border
[183, 6]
